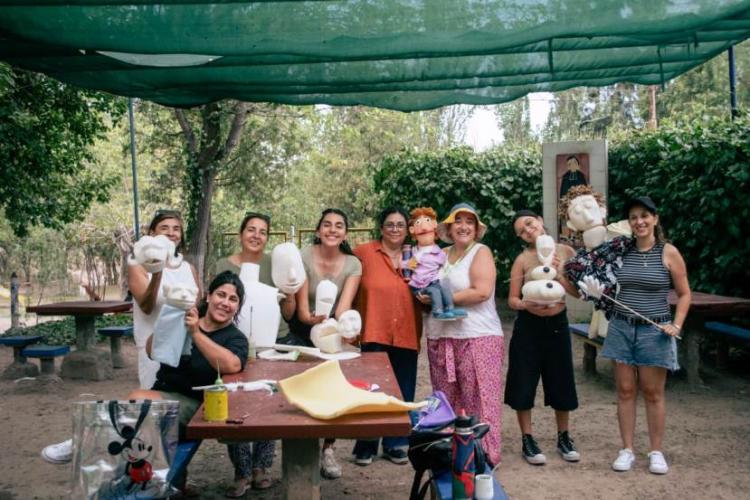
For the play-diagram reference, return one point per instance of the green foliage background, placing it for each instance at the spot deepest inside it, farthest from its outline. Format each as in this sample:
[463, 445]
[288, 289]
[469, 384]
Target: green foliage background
[496, 182]
[696, 172]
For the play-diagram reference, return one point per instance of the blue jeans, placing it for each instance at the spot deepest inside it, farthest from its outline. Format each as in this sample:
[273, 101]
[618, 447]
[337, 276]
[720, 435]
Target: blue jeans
[442, 298]
[404, 362]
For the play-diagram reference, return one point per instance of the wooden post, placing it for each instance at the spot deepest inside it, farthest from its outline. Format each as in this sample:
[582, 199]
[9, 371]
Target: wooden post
[14, 314]
[652, 107]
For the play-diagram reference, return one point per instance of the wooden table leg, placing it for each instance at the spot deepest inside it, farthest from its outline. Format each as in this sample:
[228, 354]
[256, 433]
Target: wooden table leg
[691, 354]
[86, 362]
[301, 468]
[589, 358]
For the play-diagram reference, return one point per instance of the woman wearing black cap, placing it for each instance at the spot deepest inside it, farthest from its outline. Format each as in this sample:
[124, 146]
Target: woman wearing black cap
[540, 346]
[642, 352]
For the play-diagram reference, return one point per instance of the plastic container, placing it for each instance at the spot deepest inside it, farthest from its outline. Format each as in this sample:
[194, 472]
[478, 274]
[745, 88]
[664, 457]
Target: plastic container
[463, 467]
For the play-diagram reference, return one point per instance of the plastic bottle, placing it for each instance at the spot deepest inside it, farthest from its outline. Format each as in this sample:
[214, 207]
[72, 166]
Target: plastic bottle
[463, 467]
[405, 256]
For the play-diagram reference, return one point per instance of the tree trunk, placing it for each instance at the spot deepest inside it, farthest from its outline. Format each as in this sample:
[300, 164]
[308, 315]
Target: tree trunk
[205, 158]
[198, 242]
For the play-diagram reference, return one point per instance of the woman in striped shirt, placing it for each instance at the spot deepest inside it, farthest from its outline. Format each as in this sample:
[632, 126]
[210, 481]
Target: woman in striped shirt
[642, 352]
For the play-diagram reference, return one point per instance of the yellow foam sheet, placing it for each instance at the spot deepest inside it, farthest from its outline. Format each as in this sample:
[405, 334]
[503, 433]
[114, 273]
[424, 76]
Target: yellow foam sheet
[324, 393]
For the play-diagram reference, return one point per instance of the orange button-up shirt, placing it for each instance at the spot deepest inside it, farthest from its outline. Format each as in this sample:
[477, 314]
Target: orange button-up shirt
[390, 313]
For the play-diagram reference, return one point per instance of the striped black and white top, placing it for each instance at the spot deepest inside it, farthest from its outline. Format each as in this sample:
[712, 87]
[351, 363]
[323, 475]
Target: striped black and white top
[644, 283]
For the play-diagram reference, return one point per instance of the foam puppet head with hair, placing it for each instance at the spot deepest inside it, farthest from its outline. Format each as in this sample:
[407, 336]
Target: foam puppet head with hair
[585, 211]
[426, 262]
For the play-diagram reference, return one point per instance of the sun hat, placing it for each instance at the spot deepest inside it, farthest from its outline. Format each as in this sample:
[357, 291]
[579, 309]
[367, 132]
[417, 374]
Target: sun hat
[443, 227]
[642, 201]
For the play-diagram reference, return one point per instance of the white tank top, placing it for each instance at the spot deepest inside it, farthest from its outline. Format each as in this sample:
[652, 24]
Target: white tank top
[143, 324]
[481, 320]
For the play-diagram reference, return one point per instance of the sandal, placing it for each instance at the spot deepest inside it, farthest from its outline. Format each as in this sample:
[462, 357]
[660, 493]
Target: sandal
[238, 489]
[262, 479]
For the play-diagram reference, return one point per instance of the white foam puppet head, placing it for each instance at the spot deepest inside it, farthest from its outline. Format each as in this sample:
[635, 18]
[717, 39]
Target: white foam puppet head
[325, 296]
[154, 253]
[542, 287]
[327, 335]
[584, 213]
[287, 270]
[180, 295]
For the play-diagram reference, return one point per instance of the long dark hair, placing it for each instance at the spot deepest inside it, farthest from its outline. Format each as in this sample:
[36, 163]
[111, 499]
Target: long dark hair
[224, 278]
[383, 215]
[164, 214]
[344, 245]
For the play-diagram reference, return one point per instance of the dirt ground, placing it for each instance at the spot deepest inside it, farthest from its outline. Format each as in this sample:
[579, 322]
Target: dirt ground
[706, 445]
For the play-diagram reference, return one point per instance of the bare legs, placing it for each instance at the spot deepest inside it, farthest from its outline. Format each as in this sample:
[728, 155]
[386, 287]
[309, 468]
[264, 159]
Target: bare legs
[524, 420]
[650, 380]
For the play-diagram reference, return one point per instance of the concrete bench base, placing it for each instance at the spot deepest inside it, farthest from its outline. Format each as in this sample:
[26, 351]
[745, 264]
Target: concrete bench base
[20, 367]
[46, 355]
[115, 334]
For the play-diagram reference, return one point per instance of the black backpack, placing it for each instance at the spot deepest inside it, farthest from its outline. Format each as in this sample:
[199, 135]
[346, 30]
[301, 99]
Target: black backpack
[432, 449]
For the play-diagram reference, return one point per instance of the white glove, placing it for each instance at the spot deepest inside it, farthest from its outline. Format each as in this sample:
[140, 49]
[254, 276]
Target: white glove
[591, 288]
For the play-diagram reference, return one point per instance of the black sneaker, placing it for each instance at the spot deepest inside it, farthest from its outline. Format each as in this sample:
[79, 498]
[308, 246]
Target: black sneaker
[567, 448]
[396, 455]
[363, 458]
[531, 451]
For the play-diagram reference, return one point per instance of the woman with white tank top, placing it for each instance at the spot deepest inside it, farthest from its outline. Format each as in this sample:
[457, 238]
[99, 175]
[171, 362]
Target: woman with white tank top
[148, 295]
[466, 355]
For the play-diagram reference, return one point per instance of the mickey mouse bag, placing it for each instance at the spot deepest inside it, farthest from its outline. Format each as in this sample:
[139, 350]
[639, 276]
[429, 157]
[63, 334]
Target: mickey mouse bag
[123, 449]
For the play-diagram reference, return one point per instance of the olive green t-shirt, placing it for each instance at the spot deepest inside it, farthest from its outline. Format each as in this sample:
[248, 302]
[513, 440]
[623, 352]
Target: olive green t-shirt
[352, 267]
[224, 264]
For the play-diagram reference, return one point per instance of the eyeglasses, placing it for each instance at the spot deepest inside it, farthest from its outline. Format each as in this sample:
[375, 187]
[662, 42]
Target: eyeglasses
[390, 226]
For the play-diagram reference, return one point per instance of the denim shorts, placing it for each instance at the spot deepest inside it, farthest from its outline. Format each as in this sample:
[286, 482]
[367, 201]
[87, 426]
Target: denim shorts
[640, 345]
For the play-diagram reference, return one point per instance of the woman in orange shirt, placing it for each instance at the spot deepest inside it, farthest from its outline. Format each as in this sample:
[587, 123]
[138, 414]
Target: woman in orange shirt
[391, 321]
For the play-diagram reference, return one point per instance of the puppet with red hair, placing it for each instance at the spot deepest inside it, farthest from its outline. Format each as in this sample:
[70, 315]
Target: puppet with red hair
[426, 262]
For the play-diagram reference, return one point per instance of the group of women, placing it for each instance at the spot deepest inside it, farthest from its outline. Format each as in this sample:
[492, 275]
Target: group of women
[465, 356]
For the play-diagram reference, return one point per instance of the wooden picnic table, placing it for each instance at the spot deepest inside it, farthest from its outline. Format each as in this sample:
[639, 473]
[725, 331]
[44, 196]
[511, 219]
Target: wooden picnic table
[703, 307]
[272, 417]
[85, 362]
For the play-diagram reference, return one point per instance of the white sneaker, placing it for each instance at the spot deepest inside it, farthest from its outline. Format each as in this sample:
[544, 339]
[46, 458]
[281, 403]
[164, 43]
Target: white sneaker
[329, 467]
[656, 463]
[60, 453]
[624, 460]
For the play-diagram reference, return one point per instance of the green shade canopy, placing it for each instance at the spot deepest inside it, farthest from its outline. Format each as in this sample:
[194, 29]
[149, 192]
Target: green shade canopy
[398, 54]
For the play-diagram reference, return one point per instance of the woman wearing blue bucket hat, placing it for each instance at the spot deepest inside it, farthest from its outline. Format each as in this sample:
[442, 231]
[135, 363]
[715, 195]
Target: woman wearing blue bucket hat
[466, 356]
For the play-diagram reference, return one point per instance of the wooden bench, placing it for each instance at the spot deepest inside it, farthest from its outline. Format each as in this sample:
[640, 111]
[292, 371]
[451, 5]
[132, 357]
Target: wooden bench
[20, 368]
[46, 355]
[590, 346]
[724, 332]
[115, 334]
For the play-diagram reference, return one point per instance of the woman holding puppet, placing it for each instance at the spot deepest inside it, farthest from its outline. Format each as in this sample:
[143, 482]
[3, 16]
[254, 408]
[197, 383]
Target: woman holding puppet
[641, 335]
[540, 345]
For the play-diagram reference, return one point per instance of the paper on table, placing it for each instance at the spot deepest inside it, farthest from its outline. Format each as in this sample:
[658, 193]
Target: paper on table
[324, 393]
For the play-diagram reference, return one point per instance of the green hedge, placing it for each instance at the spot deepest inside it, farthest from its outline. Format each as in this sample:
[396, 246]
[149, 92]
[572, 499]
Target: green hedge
[63, 332]
[697, 173]
[698, 176]
[497, 182]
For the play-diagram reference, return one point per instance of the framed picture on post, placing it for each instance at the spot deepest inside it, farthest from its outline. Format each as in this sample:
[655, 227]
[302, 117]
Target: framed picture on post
[572, 169]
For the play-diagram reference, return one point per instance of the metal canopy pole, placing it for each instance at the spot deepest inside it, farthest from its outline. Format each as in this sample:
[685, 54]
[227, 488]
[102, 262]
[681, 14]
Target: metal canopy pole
[732, 84]
[135, 170]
